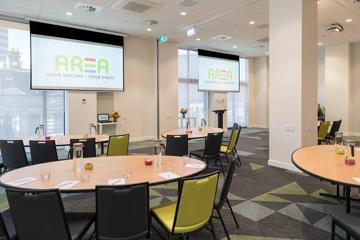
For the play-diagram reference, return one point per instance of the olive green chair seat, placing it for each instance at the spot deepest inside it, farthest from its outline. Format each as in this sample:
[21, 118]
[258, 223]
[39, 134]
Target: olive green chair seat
[230, 148]
[193, 210]
[118, 145]
[323, 132]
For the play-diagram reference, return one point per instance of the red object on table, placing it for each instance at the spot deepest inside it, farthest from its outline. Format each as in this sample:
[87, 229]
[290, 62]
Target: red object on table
[148, 162]
[47, 138]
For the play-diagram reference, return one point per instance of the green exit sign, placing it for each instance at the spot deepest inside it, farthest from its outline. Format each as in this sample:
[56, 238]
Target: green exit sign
[163, 38]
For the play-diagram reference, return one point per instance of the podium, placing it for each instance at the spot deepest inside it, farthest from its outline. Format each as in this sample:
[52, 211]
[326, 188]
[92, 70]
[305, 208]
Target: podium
[220, 114]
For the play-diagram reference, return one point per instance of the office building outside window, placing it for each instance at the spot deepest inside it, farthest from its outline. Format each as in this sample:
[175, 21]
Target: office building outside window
[22, 109]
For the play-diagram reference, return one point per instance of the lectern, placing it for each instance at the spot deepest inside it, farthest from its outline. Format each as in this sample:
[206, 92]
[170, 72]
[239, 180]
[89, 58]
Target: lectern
[220, 114]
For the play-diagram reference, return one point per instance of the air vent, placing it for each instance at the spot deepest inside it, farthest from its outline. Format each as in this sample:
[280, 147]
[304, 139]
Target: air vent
[263, 40]
[263, 26]
[87, 8]
[187, 3]
[119, 4]
[221, 37]
[136, 7]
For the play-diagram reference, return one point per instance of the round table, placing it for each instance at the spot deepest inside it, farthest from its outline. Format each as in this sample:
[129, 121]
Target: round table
[105, 168]
[195, 132]
[321, 161]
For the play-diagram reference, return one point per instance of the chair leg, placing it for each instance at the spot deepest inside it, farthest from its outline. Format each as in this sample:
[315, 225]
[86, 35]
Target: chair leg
[227, 159]
[223, 224]
[222, 167]
[332, 230]
[232, 213]
[239, 163]
[212, 229]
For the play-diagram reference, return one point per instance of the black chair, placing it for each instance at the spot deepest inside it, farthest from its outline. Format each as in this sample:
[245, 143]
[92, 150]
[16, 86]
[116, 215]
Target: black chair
[7, 227]
[335, 127]
[221, 197]
[89, 149]
[177, 145]
[349, 223]
[211, 150]
[43, 151]
[40, 215]
[13, 154]
[122, 212]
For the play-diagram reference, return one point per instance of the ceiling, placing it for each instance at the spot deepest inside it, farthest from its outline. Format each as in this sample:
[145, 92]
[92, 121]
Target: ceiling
[209, 17]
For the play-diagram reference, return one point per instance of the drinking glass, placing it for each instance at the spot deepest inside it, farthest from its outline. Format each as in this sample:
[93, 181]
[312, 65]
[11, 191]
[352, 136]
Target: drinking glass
[84, 176]
[339, 136]
[44, 173]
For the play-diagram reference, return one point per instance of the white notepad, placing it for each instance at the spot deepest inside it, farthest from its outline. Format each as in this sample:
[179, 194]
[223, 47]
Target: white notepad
[168, 175]
[67, 184]
[357, 179]
[195, 165]
[22, 181]
[116, 181]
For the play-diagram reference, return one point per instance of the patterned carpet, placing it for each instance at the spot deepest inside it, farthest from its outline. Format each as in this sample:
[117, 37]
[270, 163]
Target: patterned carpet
[270, 203]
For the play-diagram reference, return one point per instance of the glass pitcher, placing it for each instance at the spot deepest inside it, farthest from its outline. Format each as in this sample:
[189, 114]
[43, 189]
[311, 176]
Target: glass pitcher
[188, 125]
[40, 131]
[203, 123]
[92, 130]
[158, 151]
[78, 157]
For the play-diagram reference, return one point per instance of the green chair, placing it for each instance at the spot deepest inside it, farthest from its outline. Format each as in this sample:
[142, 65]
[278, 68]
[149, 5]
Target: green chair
[230, 148]
[193, 210]
[322, 132]
[118, 145]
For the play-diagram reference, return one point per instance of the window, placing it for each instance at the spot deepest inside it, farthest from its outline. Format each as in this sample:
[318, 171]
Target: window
[189, 97]
[22, 109]
[238, 102]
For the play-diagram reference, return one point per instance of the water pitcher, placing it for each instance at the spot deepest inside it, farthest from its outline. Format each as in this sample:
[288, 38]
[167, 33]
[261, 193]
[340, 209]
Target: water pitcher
[158, 151]
[92, 130]
[40, 131]
[78, 157]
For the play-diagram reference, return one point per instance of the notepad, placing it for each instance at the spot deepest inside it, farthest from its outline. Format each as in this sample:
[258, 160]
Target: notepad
[168, 175]
[22, 181]
[67, 184]
[357, 179]
[195, 165]
[116, 181]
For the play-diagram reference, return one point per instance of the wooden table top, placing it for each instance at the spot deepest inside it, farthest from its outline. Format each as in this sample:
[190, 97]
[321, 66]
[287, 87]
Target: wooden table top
[195, 132]
[322, 161]
[64, 140]
[105, 168]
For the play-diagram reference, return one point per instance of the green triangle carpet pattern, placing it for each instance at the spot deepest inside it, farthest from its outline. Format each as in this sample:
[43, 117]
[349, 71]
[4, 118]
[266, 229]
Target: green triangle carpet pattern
[269, 203]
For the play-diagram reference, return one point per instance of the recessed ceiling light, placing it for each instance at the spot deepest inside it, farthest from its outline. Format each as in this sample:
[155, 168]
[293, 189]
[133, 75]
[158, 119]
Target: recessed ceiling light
[252, 22]
[320, 43]
[198, 39]
[267, 53]
[182, 13]
[69, 13]
[191, 32]
[148, 29]
[235, 46]
[348, 20]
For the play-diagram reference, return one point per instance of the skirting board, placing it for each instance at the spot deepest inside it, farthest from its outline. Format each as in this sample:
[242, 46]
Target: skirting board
[145, 138]
[287, 166]
[258, 126]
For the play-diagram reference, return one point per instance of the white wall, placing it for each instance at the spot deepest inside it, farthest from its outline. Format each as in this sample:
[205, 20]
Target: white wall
[259, 92]
[355, 89]
[321, 76]
[337, 84]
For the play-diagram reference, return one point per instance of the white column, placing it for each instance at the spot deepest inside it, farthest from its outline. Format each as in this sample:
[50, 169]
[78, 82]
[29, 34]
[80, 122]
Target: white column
[337, 84]
[293, 78]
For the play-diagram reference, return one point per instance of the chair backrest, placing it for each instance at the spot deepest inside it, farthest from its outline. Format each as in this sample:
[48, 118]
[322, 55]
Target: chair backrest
[43, 151]
[335, 128]
[38, 214]
[227, 183]
[122, 212]
[196, 202]
[13, 154]
[234, 137]
[323, 130]
[118, 145]
[177, 145]
[213, 144]
[5, 226]
[89, 149]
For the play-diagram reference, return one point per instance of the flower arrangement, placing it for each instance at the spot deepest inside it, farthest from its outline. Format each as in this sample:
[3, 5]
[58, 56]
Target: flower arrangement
[183, 111]
[114, 115]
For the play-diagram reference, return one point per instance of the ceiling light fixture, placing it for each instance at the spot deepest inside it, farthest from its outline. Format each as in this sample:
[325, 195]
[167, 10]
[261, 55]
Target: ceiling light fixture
[252, 22]
[198, 39]
[235, 46]
[150, 25]
[348, 20]
[320, 43]
[335, 27]
[267, 53]
[148, 29]
[69, 13]
[191, 32]
[183, 13]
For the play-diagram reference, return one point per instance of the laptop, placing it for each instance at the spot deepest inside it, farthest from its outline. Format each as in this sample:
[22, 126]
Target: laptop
[103, 118]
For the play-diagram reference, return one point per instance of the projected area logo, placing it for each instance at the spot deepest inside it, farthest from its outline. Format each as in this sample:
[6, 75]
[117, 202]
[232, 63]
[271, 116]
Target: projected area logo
[216, 74]
[81, 67]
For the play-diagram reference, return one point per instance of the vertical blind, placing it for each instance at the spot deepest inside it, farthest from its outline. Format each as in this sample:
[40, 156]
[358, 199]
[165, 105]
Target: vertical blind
[22, 109]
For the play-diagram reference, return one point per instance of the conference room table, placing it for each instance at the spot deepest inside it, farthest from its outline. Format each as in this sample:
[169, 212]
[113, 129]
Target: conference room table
[106, 171]
[322, 161]
[195, 132]
[64, 140]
